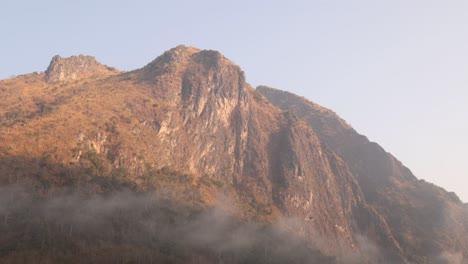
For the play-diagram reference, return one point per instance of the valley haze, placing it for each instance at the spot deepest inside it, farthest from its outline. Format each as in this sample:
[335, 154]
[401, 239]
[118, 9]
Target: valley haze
[96, 161]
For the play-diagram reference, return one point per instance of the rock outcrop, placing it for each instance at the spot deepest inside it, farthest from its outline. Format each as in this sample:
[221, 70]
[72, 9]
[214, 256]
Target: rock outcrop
[190, 112]
[74, 67]
[417, 212]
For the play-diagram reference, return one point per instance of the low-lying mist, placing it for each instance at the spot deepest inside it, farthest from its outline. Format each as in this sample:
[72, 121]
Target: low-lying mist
[145, 227]
[129, 227]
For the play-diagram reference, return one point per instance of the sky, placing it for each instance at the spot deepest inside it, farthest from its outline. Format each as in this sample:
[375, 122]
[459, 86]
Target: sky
[397, 70]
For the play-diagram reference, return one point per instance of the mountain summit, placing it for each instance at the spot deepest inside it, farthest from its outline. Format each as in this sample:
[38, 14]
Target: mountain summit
[74, 67]
[232, 174]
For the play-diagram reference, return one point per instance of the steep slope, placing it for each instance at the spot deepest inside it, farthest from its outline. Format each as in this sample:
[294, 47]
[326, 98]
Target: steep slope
[188, 130]
[188, 111]
[75, 67]
[424, 218]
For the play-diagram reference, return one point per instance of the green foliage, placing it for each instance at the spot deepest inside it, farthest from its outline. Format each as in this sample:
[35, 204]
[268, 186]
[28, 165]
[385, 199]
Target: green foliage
[209, 181]
[166, 175]
[95, 164]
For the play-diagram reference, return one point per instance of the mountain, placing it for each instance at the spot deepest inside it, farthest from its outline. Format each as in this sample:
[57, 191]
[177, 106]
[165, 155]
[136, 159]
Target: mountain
[182, 161]
[421, 216]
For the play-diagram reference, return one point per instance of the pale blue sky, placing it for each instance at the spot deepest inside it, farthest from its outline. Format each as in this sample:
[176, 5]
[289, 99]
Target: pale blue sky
[396, 70]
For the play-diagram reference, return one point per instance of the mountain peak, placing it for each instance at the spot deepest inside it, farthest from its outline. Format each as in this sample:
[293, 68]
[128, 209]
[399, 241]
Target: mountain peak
[175, 56]
[74, 67]
[182, 54]
[183, 61]
[188, 127]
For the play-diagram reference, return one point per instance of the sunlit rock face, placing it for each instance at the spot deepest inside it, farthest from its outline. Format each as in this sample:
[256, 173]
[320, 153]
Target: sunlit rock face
[188, 127]
[72, 68]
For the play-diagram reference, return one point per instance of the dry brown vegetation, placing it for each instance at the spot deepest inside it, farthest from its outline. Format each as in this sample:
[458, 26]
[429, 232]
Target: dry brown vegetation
[162, 148]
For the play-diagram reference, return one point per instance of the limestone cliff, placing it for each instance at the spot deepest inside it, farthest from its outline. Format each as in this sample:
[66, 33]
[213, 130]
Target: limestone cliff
[74, 67]
[421, 216]
[189, 127]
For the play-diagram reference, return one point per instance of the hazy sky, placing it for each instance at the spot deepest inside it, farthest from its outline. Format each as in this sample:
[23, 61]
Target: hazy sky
[396, 70]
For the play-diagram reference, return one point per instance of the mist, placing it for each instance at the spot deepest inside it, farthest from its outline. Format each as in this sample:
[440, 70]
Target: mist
[125, 227]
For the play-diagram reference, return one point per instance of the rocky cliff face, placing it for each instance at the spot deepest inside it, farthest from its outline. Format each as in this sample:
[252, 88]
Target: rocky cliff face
[74, 67]
[422, 217]
[189, 122]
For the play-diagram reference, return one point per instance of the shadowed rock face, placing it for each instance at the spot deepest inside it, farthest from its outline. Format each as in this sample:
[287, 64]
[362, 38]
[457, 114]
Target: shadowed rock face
[74, 67]
[421, 216]
[190, 112]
